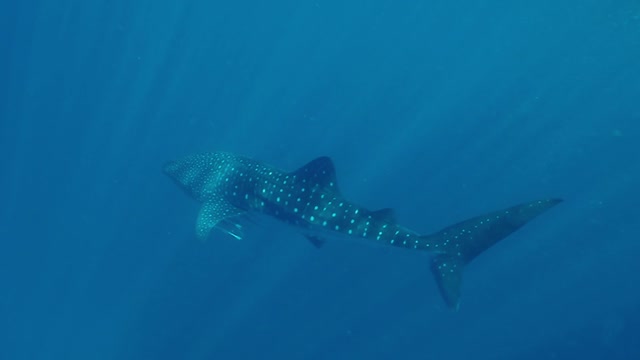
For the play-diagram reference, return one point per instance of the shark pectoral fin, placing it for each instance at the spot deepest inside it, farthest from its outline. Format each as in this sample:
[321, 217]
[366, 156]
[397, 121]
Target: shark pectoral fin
[315, 241]
[205, 221]
[213, 214]
[447, 271]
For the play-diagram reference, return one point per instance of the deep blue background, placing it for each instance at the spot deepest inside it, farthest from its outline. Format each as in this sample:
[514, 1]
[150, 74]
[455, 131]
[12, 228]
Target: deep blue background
[440, 109]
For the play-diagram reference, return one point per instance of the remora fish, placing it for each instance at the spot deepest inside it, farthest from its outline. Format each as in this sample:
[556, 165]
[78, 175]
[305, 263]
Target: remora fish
[229, 186]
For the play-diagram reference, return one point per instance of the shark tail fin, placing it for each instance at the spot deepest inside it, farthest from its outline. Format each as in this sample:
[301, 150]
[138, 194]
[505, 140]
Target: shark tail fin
[458, 244]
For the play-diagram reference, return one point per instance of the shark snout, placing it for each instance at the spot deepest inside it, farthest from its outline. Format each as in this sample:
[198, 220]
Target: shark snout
[170, 168]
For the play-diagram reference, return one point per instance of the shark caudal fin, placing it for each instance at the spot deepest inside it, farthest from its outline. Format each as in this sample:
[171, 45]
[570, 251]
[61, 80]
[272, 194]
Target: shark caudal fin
[460, 243]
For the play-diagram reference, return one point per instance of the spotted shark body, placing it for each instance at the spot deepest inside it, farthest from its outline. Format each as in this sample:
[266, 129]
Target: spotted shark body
[230, 186]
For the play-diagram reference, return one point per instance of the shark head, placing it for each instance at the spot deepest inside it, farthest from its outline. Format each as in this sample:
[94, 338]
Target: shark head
[201, 175]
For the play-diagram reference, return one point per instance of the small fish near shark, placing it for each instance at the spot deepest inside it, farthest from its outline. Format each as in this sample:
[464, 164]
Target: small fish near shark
[230, 186]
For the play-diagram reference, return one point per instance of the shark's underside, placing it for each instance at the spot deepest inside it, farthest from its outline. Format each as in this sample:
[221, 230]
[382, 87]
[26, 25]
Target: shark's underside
[229, 186]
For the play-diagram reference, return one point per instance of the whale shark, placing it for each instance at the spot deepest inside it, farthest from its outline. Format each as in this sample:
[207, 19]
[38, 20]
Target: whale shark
[231, 186]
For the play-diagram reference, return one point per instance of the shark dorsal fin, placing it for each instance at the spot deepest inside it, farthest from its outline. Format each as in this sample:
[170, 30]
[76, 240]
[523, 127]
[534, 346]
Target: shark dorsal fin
[384, 215]
[319, 171]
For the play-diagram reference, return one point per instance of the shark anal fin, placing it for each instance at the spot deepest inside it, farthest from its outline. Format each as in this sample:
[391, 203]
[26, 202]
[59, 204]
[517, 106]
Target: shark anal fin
[315, 241]
[215, 213]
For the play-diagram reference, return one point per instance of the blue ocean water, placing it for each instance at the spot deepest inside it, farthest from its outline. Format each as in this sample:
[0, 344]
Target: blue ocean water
[442, 110]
